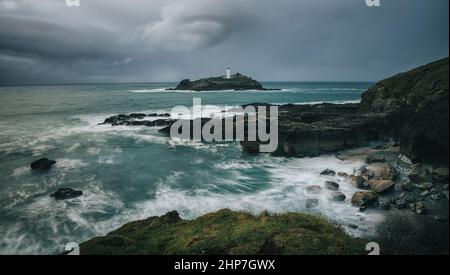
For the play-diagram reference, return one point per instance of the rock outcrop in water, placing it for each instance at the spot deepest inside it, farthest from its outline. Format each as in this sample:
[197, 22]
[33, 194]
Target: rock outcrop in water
[66, 193]
[42, 164]
[226, 233]
[139, 119]
[236, 82]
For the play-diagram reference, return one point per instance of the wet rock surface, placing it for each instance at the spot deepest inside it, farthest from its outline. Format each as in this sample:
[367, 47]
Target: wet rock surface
[138, 119]
[42, 164]
[66, 193]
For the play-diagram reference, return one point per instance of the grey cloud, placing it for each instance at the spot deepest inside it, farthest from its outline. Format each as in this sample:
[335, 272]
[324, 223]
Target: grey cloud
[165, 40]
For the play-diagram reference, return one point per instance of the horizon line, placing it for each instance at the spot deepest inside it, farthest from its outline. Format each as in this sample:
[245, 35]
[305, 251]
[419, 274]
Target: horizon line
[172, 82]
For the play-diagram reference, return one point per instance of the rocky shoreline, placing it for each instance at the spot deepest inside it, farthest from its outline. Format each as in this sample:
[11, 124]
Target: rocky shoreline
[400, 131]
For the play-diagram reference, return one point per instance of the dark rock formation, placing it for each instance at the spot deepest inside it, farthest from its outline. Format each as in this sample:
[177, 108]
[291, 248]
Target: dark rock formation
[66, 193]
[418, 103]
[237, 82]
[226, 233]
[328, 172]
[137, 120]
[312, 130]
[42, 164]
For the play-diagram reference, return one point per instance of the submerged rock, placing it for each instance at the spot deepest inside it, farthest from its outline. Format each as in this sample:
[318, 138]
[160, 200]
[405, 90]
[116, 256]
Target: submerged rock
[312, 203]
[337, 196]
[314, 189]
[137, 119]
[328, 172]
[331, 185]
[342, 175]
[66, 193]
[42, 164]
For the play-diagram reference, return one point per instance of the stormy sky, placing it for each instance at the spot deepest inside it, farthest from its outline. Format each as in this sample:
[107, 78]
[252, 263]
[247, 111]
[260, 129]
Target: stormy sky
[167, 40]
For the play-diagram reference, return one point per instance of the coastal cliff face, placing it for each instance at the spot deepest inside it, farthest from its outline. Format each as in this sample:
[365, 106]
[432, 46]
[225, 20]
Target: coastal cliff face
[410, 108]
[418, 102]
[226, 233]
[236, 82]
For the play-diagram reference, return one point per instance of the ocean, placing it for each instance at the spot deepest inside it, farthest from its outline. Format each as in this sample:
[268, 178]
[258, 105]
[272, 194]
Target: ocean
[130, 173]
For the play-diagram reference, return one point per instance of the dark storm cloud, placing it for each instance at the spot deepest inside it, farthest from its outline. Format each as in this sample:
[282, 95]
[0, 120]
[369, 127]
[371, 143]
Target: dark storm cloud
[165, 40]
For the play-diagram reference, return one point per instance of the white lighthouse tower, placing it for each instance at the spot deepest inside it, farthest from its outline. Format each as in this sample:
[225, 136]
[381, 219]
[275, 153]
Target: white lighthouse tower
[228, 74]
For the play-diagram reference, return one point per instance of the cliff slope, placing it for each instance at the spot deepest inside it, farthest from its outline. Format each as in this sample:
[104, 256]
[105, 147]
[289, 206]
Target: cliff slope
[418, 100]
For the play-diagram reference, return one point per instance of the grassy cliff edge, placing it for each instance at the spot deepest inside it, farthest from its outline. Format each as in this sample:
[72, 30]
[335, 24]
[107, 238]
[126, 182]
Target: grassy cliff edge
[226, 232]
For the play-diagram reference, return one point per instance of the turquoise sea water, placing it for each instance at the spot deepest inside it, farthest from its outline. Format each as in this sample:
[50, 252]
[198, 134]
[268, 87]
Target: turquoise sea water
[129, 173]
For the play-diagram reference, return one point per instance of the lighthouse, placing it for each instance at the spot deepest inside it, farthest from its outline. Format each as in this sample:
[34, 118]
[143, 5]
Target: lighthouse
[228, 74]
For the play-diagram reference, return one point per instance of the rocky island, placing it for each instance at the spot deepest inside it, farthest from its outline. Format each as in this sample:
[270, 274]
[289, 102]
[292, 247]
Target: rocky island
[235, 82]
[400, 131]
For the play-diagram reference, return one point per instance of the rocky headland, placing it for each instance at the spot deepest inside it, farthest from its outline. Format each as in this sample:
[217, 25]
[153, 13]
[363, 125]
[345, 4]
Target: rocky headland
[399, 130]
[236, 82]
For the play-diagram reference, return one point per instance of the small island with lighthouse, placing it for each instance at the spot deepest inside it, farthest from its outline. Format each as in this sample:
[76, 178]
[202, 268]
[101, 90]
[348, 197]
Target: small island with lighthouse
[228, 82]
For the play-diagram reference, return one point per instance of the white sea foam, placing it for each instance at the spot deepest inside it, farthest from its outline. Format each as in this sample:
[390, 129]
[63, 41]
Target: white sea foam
[286, 193]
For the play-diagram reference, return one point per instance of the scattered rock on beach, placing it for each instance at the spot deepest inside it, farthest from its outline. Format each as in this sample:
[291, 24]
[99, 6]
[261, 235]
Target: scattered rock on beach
[342, 175]
[337, 196]
[312, 203]
[358, 182]
[440, 174]
[365, 199]
[425, 186]
[418, 208]
[328, 172]
[314, 189]
[66, 193]
[42, 164]
[379, 171]
[375, 158]
[381, 186]
[331, 185]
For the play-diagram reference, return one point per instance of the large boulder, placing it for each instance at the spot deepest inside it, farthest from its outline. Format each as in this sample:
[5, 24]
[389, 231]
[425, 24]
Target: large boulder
[381, 186]
[365, 199]
[42, 164]
[418, 101]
